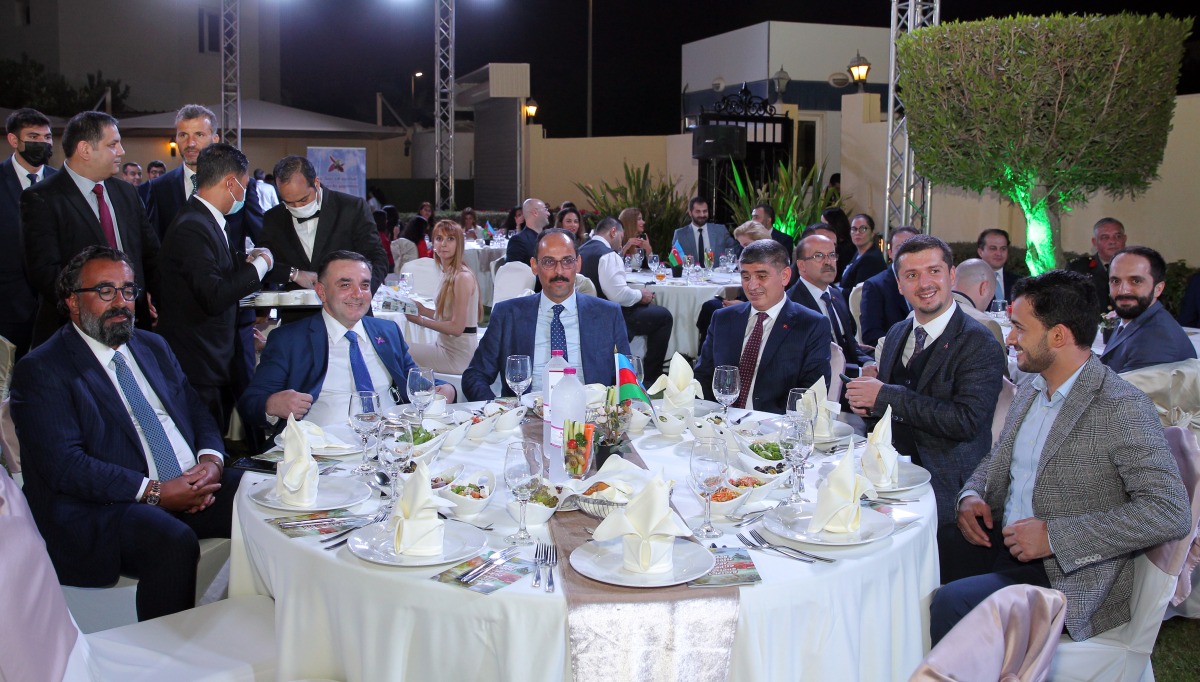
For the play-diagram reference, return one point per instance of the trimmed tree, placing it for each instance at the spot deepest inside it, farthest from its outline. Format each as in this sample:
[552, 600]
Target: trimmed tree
[1043, 110]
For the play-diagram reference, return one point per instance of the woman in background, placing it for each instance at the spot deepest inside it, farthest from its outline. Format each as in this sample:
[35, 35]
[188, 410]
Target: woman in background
[570, 220]
[635, 235]
[455, 316]
[514, 222]
[415, 232]
[469, 225]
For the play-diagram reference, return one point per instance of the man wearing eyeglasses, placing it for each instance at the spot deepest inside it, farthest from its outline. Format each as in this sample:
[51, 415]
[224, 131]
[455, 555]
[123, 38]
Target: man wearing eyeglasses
[587, 328]
[817, 263]
[124, 466]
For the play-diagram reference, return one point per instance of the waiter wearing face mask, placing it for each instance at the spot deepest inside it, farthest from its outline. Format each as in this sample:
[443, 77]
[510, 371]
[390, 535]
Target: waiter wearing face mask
[203, 282]
[311, 222]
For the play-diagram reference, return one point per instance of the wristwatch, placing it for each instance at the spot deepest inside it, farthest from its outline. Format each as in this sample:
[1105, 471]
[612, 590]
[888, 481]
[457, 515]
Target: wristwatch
[153, 493]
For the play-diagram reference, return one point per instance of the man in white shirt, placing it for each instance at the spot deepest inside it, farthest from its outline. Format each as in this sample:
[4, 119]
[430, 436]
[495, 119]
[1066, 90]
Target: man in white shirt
[267, 197]
[701, 237]
[601, 263]
[816, 261]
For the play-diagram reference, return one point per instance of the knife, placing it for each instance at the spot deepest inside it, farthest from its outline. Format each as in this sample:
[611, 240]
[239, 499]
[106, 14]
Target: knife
[496, 560]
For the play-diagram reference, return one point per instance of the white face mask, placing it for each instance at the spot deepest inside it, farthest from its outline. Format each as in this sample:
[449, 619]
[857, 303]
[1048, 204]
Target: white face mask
[306, 210]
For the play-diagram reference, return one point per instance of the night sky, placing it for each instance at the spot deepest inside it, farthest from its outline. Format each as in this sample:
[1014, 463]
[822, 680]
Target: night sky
[336, 54]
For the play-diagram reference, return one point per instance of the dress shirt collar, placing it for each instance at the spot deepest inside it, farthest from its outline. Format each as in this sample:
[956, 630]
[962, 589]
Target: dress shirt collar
[772, 312]
[545, 304]
[1039, 382]
[937, 325]
[814, 290]
[103, 353]
[187, 180]
[337, 331]
[19, 168]
[216, 213]
[606, 242]
[83, 183]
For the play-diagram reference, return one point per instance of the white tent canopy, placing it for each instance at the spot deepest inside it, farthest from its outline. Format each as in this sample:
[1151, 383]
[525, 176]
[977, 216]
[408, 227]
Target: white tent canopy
[264, 119]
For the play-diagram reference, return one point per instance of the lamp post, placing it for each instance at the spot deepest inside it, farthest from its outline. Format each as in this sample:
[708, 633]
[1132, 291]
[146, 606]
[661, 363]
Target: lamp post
[531, 107]
[859, 68]
[781, 80]
[412, 87]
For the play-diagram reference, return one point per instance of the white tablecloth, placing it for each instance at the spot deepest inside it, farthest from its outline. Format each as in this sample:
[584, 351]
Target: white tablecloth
[862, 618]
[684, 301]
[480, 262]
[412, 333]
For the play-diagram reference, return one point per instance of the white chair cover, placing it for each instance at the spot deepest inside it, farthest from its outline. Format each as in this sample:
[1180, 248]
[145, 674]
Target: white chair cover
[426, 278]
[1175, 390]
[1003, 401]
[1011, 636]
[1183, 556]
[856, 309]
[837, 366]
[584, 284]
[403, 252]
[8, 439]
[512, 280]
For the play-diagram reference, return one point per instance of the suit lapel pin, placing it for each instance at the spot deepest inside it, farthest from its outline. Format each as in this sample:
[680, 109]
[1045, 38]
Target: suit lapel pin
[379, 341]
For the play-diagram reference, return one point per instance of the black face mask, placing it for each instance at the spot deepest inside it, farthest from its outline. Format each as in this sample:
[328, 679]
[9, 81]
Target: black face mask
[37, 153]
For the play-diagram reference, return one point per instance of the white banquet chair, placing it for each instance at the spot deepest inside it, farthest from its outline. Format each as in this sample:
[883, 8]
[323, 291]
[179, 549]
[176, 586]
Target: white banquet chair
[1003, 401]
[228, 641]
[855, 303]
[425, 277]
[584, 284]
[837, 367]
[512, 280]
[1122, 654]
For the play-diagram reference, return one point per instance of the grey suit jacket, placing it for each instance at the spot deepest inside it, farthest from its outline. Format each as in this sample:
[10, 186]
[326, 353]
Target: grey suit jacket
[1154, 338]
[716, 239]
[951, 410]
[1107, 486]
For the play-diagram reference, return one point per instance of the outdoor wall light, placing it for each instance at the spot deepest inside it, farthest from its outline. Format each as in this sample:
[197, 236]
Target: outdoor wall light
[781, 80]
[859, 68]
[531, 107]
[171, 144]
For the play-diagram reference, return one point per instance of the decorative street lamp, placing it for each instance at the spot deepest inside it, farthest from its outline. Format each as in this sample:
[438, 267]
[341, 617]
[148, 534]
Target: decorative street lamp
[412, 86]
[531, 107]
[859, 68]
[781, 80]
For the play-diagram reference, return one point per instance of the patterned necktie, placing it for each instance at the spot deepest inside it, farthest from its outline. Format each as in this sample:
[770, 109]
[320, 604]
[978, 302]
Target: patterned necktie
[195, 185]
[558, 333]
[749, 361]
[165, 460]
[700, 247]
[32, 178]
[835, 323]
[106, 221]
[920, 335]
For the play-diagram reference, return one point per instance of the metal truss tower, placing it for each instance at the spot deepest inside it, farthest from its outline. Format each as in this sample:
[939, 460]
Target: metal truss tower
[908, 194]
[443, 108]
[231, 80]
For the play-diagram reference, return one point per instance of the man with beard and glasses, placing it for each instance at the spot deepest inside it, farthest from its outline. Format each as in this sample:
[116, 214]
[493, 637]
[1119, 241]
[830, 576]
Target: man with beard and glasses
[124, 465]
[1147, 334]
[587, 328]
[1079, 483]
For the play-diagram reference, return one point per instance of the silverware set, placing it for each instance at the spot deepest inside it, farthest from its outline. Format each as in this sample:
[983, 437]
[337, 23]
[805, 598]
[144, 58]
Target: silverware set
[762, 544]
[546, 555]
[381, 516]
[321, 521]
[486, 567]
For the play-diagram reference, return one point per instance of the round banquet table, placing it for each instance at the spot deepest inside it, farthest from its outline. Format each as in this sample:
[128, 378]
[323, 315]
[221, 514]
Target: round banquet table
[684, 301]
[480, 262]
[412, 333]
[862, 618]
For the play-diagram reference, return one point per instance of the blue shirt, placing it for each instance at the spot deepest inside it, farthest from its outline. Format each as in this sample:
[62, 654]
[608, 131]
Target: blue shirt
[541, 338]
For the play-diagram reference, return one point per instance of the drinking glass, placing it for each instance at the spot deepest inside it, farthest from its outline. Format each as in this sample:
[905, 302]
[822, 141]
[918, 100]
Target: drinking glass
[653, 262]
[796, 444]
[709, 464]
[628, 263]
[392, 280]
[420, 390]
[661, 273]
[999, 310]
[800, 404]
[524, 470]
[638, 371]
[518, 373]
[637, 260]
[727, 383]
[365, 418]
[406, 283]
[396, 450]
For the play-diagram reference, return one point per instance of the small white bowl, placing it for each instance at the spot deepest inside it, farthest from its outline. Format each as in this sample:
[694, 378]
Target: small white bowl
[730, 506]
[755, 495]
[511, 419]
[638, 419]
[671, 424]
[482, 428]
[437, 407]
[455, 436]
[449, 475]
[535, 514]
[466, 506]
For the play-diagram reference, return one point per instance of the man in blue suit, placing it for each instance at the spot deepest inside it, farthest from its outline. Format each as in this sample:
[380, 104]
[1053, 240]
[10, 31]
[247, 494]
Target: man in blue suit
[32, 143]
[310, 367]
[588, 328]
[882, 303]
[784, 336]
[700, 236]
[1148, 335]
[123, 463]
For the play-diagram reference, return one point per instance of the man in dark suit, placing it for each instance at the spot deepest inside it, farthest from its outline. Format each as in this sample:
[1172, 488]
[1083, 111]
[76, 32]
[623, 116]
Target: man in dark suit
[591, 328]
[310, 368]
[202, 283]
[882, 303]
[32, 143]
[1108, 237]
[312, 222]
[764, 214]
[992, 247]
[939, 372]
[712, 237]
[82, 206]
[868, 259]
[1147, 335]
[789, 340]
[1079, 483]
[522, 247]
[816, 260]
[123, 465]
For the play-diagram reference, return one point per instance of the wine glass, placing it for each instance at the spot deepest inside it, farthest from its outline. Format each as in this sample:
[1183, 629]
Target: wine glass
[365, 418]
[524, 470]
[396, 451]
[518, 373]
[420, 390]
[796, 444]
[639, 371]
[726, 385]
[800, 403]
[709, 467]
[406, 283]
[653, 262]
[998, 309]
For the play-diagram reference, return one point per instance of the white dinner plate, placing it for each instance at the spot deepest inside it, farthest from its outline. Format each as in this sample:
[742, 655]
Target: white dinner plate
[605, 562]
[375, 543]
[910, 476]
[791, 522]
[343, 433]
[332, 493]
[840, 431]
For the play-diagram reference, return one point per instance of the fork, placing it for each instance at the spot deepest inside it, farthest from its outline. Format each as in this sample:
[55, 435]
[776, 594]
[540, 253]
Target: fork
[539, 557]
[381, 516]
[754, 545]
[767, 543]
[551, 562]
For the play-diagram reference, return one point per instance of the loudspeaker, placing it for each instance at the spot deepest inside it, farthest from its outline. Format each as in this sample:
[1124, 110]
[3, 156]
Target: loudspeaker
[719, 142]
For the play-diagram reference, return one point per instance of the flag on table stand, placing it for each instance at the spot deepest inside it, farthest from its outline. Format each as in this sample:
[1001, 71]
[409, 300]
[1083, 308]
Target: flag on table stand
[628, 387]
[488, 226]
[676, 256]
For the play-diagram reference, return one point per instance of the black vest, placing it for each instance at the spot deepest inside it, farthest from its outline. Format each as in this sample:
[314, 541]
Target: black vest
[589, 261]
[903, 436]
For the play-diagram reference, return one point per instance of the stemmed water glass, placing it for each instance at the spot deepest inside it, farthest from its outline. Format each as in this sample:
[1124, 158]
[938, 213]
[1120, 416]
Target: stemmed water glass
[420, 390]
[365, 418]
[726, 385]
[518, 372]
[709, 467]
[639, 371]
[653, 262]
[396, 451]
[796, 444]
[406, 283]
[524, 470]
[799, 404]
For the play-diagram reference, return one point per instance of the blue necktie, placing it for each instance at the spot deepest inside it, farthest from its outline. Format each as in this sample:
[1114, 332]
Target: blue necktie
[160, 448]
[358, 366]
[32, 178]
[558, 333]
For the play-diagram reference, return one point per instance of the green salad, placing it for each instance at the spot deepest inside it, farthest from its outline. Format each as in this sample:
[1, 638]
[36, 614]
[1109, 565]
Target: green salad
[421, 435]
[767, 450]
[545, 496]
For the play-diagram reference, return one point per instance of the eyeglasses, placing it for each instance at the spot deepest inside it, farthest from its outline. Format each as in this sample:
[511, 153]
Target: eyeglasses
[860, 228]
[822, 257]
[108, 292]
[566, 263]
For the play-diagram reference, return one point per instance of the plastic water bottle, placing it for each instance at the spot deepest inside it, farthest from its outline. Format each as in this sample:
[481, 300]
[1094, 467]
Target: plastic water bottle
[550, 378]
[570, 402]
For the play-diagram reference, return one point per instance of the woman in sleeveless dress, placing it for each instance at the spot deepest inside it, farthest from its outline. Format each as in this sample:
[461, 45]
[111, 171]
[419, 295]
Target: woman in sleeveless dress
[456, 314]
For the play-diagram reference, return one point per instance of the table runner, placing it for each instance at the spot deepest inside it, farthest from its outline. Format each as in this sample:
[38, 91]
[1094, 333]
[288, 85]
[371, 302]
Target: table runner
[668, 633]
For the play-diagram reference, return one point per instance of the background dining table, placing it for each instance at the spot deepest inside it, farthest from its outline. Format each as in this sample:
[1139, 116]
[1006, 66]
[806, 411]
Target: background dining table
[684, 300]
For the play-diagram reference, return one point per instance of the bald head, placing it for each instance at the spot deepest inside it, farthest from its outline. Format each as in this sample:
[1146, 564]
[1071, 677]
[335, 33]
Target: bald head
[536, 215]
[977, 280]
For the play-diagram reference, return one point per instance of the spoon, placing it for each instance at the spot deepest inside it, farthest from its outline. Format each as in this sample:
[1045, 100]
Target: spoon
[383, 483]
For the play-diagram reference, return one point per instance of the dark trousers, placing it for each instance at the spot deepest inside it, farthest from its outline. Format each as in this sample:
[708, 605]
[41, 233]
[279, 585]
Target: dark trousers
[971, 573]
[161, 548]
[655, 323]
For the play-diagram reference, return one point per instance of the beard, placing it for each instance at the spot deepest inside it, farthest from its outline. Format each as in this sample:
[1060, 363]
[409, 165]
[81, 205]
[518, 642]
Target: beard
[111, 335]
[1036, 359]
[1135, 308]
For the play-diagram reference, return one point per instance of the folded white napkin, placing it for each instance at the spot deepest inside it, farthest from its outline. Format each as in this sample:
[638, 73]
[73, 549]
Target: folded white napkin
[679, 385]
[596, 394]
[623, 478]
[320, 438]
[880, 461]
[416, 528]
[648, 527]
[817, 403]
[838, 510]
[296, 476]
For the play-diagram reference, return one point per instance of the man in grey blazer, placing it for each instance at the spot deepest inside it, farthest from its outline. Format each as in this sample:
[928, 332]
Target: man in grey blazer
[1147, 335]
[939, 372]
[714, 236]
[1080, 481]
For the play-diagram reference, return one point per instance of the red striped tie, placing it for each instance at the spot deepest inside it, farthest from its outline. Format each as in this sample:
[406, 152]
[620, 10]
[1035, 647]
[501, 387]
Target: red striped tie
[749, 360]
[106, 221]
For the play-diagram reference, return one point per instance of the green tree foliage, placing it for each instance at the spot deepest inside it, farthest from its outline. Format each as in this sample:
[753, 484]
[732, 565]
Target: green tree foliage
[27, 83]
[796, 196]
[663, 208]
[1043, 110]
